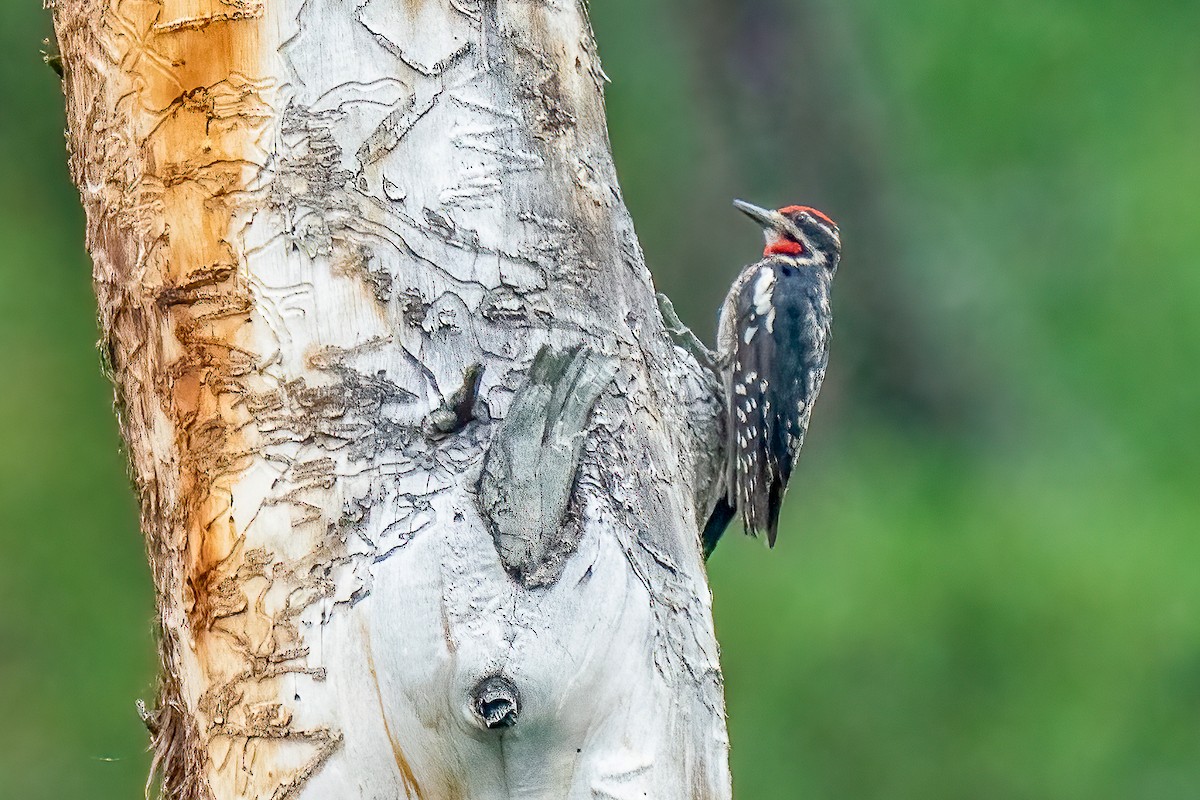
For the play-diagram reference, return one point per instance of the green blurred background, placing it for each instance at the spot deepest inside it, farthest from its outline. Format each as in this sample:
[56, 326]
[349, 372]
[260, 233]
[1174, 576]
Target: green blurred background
[987, 585]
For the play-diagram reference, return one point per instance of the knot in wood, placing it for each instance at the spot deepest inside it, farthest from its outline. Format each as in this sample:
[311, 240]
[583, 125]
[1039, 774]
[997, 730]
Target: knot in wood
[496, 702]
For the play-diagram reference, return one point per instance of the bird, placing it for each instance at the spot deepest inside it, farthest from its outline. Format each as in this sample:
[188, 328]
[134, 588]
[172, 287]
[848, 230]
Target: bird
[772, 352]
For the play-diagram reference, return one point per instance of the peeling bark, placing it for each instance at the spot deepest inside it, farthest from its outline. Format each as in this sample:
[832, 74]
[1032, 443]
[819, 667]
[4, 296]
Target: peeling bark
[329, 240]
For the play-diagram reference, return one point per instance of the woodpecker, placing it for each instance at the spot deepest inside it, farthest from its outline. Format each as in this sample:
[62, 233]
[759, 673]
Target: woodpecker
[772, 350]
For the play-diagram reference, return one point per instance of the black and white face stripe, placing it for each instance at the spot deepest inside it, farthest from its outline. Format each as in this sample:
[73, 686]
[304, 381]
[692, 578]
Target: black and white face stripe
[819, 237]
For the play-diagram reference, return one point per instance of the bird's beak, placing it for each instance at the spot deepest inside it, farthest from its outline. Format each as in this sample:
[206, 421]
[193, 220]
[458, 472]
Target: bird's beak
[764, 217]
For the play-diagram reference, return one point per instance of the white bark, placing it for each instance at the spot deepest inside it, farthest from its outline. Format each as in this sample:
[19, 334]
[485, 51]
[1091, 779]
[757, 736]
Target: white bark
[309, 219]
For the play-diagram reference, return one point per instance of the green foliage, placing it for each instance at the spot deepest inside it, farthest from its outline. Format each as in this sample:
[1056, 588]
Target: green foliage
[1005, 609]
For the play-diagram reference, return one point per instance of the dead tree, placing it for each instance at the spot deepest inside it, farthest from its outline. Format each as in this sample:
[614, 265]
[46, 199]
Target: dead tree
[421, 466]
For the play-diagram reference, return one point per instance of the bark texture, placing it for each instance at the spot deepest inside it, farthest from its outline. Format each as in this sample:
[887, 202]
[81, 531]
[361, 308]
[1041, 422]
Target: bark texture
[394, 557]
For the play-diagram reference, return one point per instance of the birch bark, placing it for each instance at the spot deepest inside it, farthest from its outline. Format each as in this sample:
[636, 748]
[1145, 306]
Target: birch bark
[383, 570]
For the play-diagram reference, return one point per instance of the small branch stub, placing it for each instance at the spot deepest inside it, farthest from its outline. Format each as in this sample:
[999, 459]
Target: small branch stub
[459, 409]
[496, 703]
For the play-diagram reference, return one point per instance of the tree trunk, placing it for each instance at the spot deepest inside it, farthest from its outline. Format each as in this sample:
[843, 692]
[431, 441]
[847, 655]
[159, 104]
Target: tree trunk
[421, 468]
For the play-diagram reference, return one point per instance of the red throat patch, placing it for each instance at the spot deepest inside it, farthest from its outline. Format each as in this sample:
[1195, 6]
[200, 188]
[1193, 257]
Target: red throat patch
[783, 246]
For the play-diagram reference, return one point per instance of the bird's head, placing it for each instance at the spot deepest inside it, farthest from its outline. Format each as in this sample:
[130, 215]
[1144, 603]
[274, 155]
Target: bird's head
[800, 234]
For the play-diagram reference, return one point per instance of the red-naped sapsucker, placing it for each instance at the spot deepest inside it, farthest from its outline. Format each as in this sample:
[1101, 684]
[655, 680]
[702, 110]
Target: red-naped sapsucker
[773, 347]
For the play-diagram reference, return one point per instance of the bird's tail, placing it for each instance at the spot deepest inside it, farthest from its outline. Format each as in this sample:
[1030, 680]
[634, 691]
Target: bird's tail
[722, 514]
[774, 503]
[760, 496]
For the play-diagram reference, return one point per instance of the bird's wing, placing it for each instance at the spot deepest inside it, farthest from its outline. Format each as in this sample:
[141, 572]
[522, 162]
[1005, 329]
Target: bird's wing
[779, 362]
[749, 423]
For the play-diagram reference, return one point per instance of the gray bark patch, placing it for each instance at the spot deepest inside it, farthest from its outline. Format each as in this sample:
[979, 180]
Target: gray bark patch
[529, 471]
